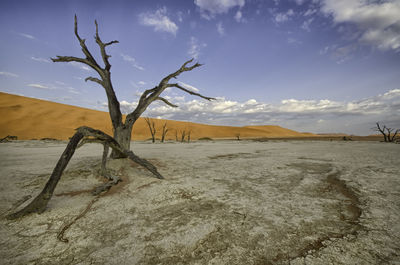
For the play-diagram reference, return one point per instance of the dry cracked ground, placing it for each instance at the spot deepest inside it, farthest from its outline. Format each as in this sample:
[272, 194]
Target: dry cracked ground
[224, 202]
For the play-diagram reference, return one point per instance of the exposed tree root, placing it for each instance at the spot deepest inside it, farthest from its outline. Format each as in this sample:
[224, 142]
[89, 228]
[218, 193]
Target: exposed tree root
[60, 235]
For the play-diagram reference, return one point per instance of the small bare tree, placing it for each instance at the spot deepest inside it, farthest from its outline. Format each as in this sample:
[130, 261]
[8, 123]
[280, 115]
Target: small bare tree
[188, 135]
[387, 132]
[164, 132]
[152, 127]
[183, 135]
[176, 135]
[237, 136]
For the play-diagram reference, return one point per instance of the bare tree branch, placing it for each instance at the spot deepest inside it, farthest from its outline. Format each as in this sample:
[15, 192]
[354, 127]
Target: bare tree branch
[167, 102]
[182, 69]
[102, 46]
[93, 79]
[189, 91]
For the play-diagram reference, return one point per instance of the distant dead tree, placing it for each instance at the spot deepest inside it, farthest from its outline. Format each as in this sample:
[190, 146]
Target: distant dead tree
[164, 132]
[183, 135]
[237, 136]
[152, 127]
[387, 132]
[188, 135]
[176, 135]
[120, 143]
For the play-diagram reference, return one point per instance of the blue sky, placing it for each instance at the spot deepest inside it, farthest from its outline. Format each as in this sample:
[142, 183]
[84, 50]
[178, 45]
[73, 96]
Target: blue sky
[308, 65]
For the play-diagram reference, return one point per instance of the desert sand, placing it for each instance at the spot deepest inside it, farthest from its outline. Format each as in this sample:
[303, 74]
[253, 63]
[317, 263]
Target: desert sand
[222, 202]
[29, 118]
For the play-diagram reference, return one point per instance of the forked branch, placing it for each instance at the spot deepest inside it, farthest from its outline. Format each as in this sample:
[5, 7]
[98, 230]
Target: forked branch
[154, 93]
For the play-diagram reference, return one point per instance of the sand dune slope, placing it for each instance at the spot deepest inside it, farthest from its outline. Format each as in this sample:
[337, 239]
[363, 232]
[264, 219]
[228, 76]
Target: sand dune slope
[30, 118]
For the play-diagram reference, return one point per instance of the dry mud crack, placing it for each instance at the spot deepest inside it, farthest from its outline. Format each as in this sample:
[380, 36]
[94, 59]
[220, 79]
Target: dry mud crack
[222, 203]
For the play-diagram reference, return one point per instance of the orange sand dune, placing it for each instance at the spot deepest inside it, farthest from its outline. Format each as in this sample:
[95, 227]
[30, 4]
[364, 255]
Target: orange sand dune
[30, 118]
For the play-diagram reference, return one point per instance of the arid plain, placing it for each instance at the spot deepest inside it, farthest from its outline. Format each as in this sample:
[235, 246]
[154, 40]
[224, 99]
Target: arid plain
[222, 202]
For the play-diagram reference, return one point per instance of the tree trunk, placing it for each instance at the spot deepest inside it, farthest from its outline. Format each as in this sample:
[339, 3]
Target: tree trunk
[122, 135]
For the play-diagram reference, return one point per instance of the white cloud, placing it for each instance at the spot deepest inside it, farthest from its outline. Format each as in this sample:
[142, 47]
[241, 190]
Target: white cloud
[377, 21]
[80, 66]
[310, 12]
[306, 24]
[294, 41]
[8, 74]
[28, 36]
[39, 86]
[159, 21]
[211, 8]
[142, 83]
[38, 59]
[195, 47]
[220, 29]
[283, 17]
[302, 115]
[238, 16]
[131, 60]
[189, 87]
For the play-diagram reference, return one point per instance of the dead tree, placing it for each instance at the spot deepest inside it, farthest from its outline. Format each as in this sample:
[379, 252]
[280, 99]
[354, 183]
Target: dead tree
[176, 135]
[123, 130]
[387, 132]
[152, 127]
[188, 135]
[237, 136]
[164, 132]
[120, 143]
[183, 135]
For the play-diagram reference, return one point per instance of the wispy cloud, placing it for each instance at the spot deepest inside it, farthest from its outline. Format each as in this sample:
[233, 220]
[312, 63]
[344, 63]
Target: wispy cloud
[239, 16]
[306, 24]
[283, 17]
[39, 86]
[189, 87]
[80, 66]
[378, 22]
[8, 74]
[195, 47]
[131, 60]
[28, 36]
[42, 60]
[159, 21]
[220, 29]
[209, 9]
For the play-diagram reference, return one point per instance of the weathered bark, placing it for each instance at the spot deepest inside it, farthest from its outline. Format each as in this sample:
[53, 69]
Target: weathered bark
[38, 205]
[122, 134]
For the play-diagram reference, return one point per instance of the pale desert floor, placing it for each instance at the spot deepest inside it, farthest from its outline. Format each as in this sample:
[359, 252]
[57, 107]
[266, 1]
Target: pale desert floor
[224, 202]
